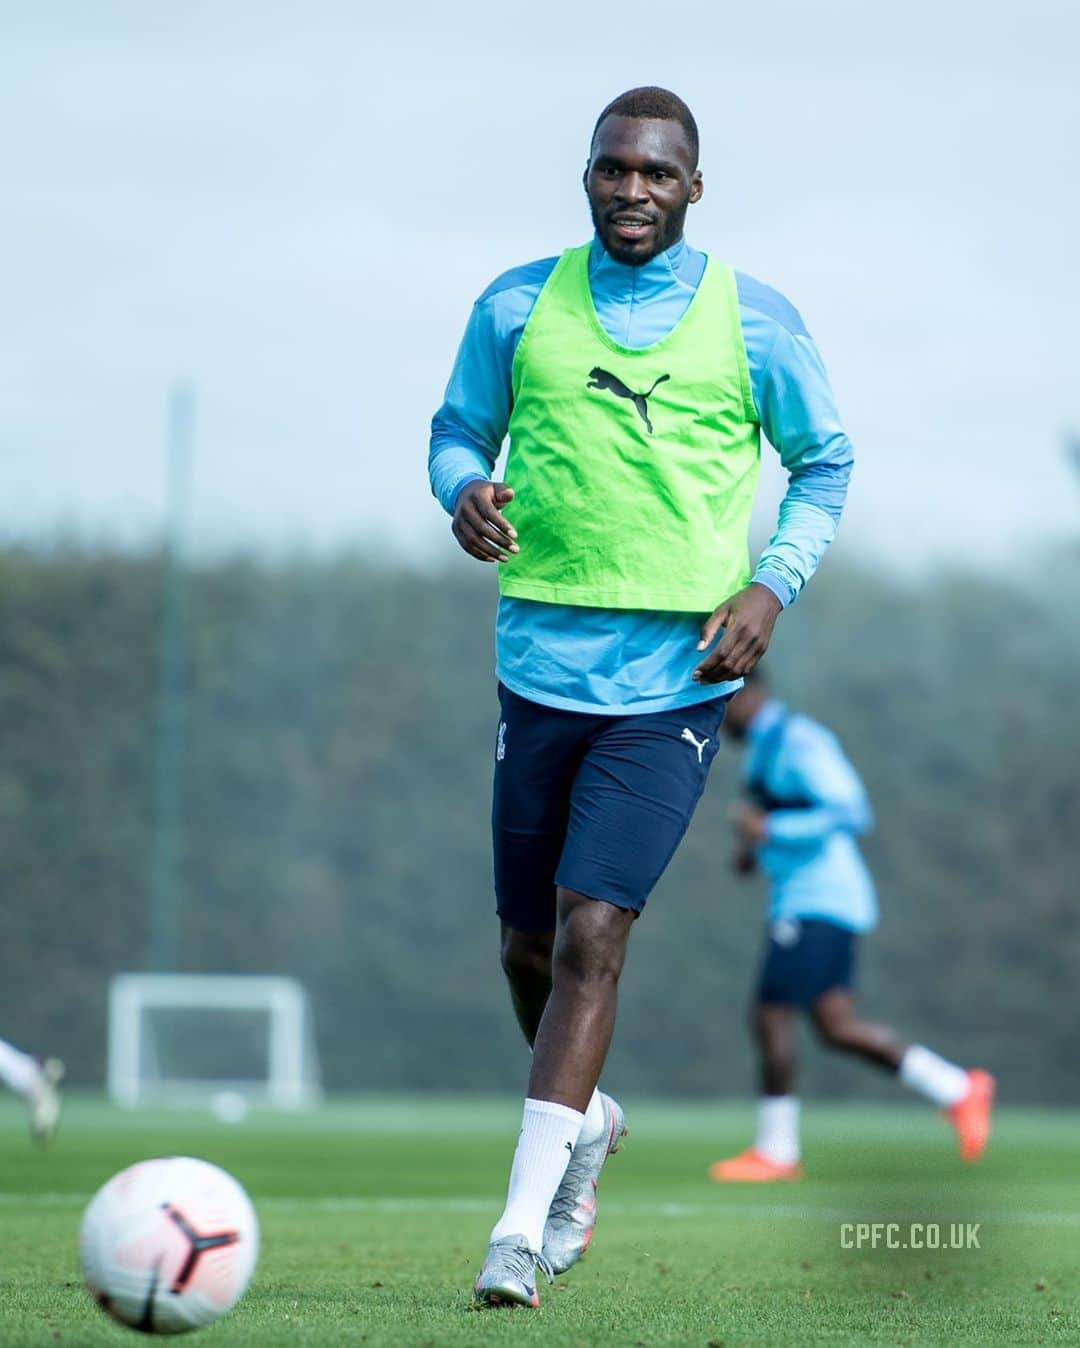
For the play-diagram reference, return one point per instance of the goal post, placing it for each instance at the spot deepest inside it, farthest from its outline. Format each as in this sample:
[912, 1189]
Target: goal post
[186, 1038]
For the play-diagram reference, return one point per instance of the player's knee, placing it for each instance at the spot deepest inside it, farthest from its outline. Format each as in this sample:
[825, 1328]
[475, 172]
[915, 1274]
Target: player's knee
[578, 959]
[580, 962]
[770, 1026]
[590, 945]
[526, 955]
[775, 1049]
[833, 1031]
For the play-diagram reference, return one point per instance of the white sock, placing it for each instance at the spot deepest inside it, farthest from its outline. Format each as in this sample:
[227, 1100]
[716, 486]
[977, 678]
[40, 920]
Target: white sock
[938, 1079]
[548, 1135]
[17, 1069]
[778, 1128]
[595, 1122]
[594, 1118]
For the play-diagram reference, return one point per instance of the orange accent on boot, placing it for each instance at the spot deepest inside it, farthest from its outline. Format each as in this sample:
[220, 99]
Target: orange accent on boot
[751, 1167]
[971, 1115]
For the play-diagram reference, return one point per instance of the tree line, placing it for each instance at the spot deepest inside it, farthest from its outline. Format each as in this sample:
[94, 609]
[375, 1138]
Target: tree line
[340, 735]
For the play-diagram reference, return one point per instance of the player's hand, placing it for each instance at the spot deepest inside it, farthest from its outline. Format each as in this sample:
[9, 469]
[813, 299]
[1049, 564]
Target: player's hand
[743, 861]
[479, 526]
[748, 618]
[751, 825]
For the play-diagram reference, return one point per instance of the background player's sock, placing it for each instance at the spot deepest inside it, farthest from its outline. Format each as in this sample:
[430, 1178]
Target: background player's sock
[549, 1133]
[935, 1077]
[778, 1128]
[594, 1123]
[17, 1070]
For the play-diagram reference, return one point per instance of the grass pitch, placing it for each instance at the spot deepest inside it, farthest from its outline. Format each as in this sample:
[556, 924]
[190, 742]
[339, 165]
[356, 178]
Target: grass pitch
[375, 1216]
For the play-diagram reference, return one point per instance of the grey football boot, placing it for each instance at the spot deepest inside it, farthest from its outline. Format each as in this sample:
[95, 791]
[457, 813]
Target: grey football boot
[508, 1277]
[572, 1217]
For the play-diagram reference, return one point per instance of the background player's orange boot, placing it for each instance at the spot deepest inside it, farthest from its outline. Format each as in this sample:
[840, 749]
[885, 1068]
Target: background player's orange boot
[751, 1167]
[971, 1115]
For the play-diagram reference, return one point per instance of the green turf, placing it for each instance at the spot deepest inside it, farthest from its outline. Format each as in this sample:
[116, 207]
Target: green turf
[375, 1215]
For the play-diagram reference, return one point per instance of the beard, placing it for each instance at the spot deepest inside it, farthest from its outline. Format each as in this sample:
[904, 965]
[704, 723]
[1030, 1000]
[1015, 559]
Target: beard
[628, 253]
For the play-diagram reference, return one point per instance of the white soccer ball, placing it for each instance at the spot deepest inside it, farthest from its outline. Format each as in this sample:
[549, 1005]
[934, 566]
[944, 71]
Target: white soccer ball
[169, 1245]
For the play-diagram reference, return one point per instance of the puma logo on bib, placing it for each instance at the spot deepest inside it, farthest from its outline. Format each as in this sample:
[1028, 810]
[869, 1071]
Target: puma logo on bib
[599, 378]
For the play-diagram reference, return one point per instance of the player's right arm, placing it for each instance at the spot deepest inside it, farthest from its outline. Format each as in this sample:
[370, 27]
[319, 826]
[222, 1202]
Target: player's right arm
[479, 526]
[468, 430]
[744, 860]
[746, 820]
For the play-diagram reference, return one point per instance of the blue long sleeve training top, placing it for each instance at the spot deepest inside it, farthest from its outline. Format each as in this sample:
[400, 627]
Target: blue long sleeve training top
[623, 661]
[818, 808]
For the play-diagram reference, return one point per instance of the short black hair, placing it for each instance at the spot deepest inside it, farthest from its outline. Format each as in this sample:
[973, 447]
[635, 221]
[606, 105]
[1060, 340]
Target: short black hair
[652, 102]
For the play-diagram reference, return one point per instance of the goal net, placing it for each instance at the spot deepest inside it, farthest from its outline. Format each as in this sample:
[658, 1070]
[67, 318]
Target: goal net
[191, 1038]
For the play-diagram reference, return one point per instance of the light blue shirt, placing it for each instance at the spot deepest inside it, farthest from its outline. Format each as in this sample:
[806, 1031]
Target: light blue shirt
[810, 857]
[622, 661]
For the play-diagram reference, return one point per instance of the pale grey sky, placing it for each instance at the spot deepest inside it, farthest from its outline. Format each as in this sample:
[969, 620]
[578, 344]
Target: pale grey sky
[296, 205]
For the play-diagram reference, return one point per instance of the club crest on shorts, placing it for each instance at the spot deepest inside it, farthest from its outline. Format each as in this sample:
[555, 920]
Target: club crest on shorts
[500, 743]
[786, 931]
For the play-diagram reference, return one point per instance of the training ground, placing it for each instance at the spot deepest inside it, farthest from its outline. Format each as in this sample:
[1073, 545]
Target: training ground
[375, 1216]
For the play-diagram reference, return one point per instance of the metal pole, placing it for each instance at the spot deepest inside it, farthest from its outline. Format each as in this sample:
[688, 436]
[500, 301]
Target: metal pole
[172, 710]
[1072, 449]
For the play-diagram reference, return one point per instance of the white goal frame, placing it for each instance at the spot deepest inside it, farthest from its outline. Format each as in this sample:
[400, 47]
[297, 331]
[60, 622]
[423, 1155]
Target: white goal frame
[292, 1079]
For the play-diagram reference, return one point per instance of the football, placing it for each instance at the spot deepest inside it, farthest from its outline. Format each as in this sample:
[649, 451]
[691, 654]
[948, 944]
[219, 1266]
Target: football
[169, 1245]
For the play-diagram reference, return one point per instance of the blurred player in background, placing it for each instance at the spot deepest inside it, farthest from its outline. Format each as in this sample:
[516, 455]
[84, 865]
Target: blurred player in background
[634, 376]
[37, 1080]
[807, 808]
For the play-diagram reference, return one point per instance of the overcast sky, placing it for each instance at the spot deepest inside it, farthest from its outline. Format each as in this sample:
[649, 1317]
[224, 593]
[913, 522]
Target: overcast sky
[296, 205]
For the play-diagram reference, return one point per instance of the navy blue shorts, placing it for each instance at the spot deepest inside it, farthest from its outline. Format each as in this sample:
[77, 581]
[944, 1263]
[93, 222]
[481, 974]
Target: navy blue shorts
[805, 957]
[597, 804]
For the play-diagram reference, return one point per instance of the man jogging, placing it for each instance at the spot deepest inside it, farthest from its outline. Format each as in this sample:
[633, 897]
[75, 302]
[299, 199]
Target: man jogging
[633, 375]
[807, 806]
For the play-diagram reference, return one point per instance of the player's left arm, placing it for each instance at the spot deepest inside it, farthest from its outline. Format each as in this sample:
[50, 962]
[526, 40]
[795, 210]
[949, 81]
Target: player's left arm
[799, 417]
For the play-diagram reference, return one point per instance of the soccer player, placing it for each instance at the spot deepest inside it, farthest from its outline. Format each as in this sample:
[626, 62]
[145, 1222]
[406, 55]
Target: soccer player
[808, 806]
[37, 1080]
[633, 375]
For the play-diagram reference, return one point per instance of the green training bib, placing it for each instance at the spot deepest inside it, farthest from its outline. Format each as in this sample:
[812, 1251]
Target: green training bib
[634, 471]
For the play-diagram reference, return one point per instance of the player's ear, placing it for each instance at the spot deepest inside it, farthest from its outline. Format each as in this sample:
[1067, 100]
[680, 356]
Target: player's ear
[697, 187]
